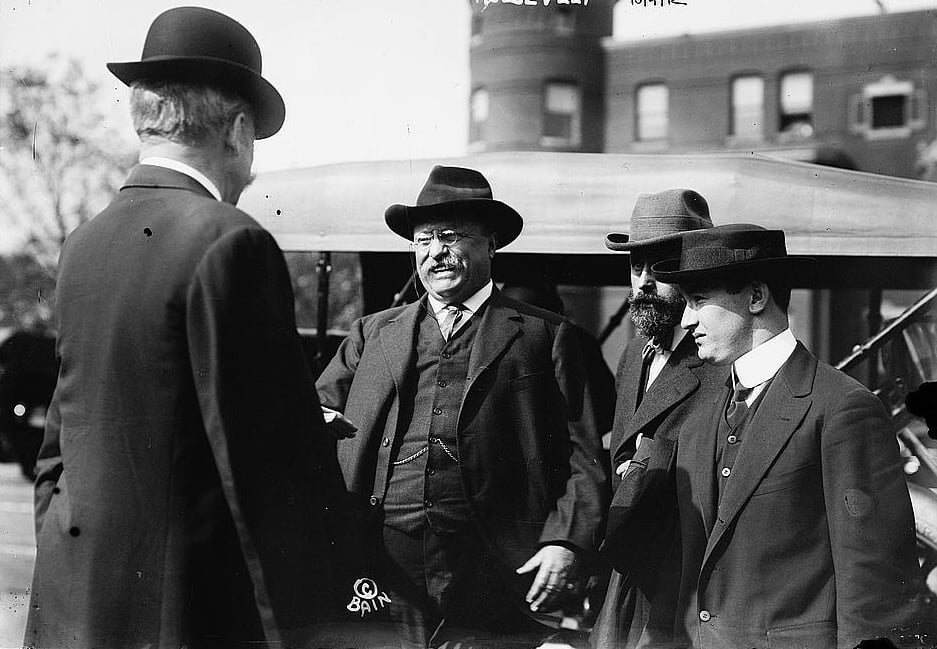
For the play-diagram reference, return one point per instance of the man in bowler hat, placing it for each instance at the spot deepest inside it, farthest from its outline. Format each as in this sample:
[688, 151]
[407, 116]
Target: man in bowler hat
[795, 523]
[658, 375]
[186, 478]
[476, 467]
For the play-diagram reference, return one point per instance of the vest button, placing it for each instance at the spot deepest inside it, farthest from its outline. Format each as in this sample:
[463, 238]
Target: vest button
[433, 440]
[446, 355]
[726, 472]
[437, 411]
[430, 471]
[428, 504]
[56, 490]
[442, 384]
[74, 531]
[385, 442]
[705, 616]
[373, 500]
[733, 439]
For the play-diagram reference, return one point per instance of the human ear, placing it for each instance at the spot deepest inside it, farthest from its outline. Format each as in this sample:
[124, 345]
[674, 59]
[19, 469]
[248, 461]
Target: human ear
[759, 297]
[240, 133]
[492, 244]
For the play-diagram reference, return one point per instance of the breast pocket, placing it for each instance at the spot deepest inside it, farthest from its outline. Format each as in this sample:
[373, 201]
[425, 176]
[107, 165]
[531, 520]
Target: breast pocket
[527, 381]
[796, 477]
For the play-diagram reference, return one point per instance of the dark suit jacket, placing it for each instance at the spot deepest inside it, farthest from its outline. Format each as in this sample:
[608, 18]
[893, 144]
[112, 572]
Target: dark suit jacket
[185, 470]
[641, 533]
[528, 442]
[812, 543]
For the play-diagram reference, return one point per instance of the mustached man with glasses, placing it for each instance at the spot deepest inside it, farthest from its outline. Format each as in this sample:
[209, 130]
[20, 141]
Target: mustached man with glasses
[477, 462]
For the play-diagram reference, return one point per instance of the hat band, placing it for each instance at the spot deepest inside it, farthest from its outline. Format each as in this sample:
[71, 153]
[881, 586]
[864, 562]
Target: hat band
[649, 227]
[699, 257]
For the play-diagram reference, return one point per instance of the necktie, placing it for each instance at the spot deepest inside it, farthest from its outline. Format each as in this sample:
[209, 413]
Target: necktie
[451, 319]
[737, 408]
[647, 357]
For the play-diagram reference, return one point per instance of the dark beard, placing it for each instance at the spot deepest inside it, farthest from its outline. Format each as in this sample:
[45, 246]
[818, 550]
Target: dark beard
[653, 315]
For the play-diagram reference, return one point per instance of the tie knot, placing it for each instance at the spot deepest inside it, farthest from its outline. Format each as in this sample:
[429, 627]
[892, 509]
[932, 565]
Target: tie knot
[450, 320]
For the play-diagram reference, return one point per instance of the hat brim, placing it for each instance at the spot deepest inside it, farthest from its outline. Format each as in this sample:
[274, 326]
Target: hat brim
[269, 109]
[796, 267]
[621, 242]
[495, 215]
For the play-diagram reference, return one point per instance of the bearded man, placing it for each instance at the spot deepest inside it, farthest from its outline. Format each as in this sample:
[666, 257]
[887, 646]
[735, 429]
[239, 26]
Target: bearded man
[658, 374]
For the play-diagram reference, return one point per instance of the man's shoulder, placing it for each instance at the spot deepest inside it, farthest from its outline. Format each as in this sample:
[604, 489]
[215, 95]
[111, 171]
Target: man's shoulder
[528, 311]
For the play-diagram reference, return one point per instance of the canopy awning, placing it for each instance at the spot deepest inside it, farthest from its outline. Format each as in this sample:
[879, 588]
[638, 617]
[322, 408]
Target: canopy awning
[569, 201]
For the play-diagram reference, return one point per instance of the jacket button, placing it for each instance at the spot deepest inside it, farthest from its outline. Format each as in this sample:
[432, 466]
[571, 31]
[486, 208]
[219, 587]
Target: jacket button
[433, 440]
[733, 439]
[430, 471]
[726, 472]
[74, 531]
[446, 354]
[428, 503]
[385, 442]
[56, 490]
[373, 500]
[442, 384]
[705, 616]
[437, 411]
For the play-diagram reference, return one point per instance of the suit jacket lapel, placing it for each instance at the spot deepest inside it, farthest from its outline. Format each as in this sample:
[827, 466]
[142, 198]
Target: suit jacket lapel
[674, 384]
[703, 452]
[500, 324]
[397, 341]
[781, 411]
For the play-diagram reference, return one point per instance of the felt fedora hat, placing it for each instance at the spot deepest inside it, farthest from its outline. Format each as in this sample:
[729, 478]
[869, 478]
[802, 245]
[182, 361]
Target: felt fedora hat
[456, 194]
[736, 250]
[201, 45]
[662, 218]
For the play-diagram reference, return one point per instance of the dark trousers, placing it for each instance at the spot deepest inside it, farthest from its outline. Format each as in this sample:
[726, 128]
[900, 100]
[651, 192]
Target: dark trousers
[445, 592]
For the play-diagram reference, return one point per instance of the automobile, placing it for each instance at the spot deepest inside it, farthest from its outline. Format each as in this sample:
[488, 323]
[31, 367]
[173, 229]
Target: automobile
[28, 370]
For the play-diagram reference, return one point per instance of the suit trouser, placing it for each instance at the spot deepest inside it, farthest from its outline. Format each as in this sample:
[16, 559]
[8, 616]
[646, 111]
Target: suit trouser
[445, 591]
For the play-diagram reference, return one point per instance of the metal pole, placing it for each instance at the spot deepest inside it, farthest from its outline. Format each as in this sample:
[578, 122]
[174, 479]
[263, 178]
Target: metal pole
[323, 273]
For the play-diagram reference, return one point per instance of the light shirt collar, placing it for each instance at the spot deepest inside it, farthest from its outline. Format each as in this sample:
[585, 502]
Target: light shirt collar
[762, 363]
[660, 359]
[183, 168]
[471, 305]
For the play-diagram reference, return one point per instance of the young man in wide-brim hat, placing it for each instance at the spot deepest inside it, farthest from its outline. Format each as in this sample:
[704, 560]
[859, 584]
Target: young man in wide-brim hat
[187, 485]
[476, 463]
[657, 377]
[795, 522]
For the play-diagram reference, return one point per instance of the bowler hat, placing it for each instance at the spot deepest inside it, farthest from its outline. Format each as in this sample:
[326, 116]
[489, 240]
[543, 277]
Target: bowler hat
[459, 194]
[201, 45]
[737, 250]
[662, 218]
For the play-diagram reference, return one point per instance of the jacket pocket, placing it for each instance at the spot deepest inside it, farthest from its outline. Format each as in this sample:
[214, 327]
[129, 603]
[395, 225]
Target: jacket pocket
[789, 479]
[526, 381]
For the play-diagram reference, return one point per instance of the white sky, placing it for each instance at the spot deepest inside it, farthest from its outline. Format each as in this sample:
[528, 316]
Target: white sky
[362, 79]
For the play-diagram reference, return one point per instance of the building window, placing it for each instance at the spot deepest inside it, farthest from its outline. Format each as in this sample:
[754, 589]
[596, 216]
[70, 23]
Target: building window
[888, 108]
[478, 114]
[561, 114]
[651, 118]
[748, 97]
[796, 103]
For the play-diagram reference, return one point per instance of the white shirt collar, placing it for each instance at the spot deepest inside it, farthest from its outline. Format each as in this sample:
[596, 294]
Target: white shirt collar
[472, 304]
[183, 168]
[761, 364]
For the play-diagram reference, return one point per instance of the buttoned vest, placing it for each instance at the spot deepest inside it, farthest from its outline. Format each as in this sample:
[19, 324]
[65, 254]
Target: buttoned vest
[425, 484]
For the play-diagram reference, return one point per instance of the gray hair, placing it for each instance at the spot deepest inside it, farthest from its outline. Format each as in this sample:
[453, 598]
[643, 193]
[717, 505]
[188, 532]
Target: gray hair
[184, 112]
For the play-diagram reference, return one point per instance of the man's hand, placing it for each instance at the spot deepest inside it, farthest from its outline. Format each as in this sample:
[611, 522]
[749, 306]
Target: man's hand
[620, 470]
[337, 425]
[554, 577]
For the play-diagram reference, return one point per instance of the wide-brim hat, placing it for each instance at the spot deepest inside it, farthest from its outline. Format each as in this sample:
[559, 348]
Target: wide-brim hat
[740, 250]
[456, 194]
[662, 219]
[200, 45]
